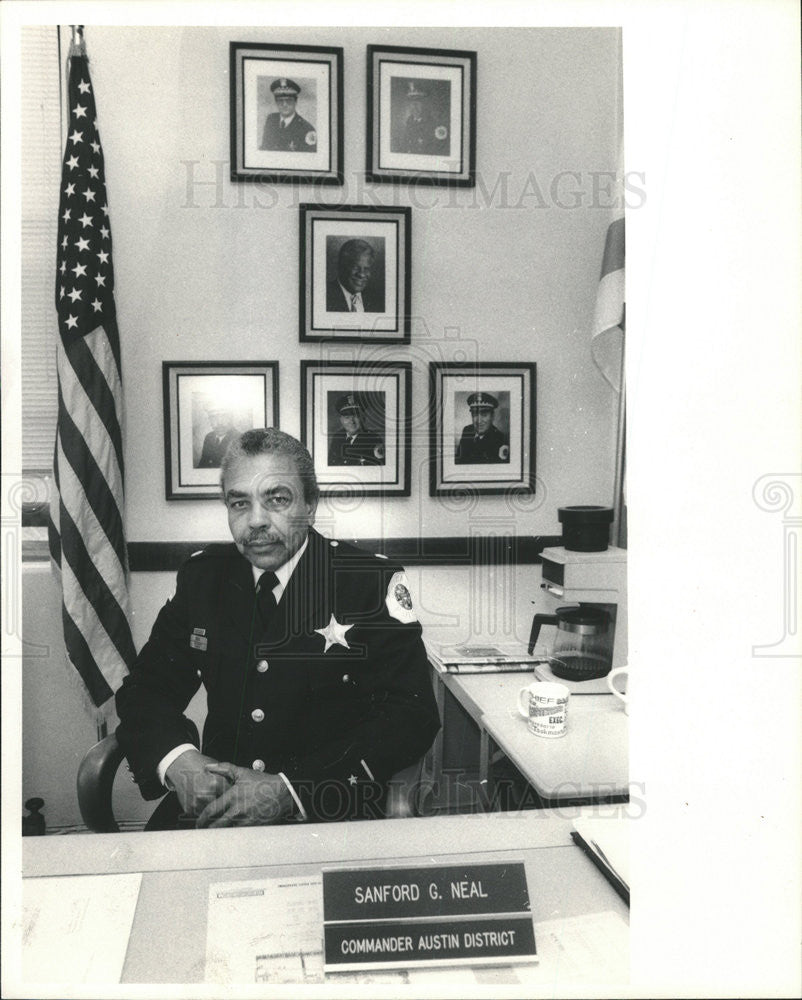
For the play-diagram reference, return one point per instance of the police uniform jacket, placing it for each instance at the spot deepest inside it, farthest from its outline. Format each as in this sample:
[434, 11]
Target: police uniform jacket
[297, 137]
[214, 448]
[335, 693]
[367, 448]
[492, 446]
[425, 135]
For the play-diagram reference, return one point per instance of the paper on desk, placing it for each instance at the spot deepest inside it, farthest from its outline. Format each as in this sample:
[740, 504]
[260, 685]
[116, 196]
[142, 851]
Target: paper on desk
[270, 931]
[75, 929]
[265, 931]
[575, 951]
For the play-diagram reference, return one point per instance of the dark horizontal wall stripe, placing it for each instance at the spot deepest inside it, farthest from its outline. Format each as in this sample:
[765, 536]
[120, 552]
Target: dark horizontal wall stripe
[158, 557]
[35, 515]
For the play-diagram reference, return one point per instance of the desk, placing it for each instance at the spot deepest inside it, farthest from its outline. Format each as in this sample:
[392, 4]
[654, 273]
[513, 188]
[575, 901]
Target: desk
[589, 763]
[179, 866]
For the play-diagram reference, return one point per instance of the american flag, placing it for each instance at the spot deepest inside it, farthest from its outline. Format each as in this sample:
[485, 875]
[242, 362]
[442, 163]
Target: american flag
[87, 539]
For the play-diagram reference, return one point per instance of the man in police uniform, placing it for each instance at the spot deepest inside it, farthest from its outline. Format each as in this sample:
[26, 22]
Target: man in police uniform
[481, 441]
[310, 652]
[422, 133]
[352, 444]
[285, 130]
[218, 439]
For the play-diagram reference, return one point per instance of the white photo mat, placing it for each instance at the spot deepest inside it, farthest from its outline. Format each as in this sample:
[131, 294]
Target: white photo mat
[262, 159]
[242, 395]
[392, 385]
[389, 160]
[367, 323]
[453, 422]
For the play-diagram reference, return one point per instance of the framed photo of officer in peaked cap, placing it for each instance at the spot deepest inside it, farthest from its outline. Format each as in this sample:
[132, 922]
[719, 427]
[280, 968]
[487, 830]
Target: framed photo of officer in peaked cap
[421, 115]
[482, 428]
[207, 405]
[352, 438]
[285, 130]
[286, 113]
[483, 441]
[355, 421]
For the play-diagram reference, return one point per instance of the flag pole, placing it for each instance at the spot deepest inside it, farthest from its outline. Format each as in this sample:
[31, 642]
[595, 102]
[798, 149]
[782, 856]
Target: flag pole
[77, 45]
[619, 532]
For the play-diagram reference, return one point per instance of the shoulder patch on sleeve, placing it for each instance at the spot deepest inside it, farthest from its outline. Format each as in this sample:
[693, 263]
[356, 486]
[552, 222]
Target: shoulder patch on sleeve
[399, 599]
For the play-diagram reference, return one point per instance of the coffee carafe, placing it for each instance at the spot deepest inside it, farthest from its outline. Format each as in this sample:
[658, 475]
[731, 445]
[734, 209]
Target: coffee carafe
[583, 647]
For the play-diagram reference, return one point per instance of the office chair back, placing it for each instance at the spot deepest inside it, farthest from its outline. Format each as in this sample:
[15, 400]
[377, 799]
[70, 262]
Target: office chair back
[408, 794]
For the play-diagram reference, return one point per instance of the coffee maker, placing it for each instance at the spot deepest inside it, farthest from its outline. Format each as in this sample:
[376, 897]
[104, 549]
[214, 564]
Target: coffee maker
[591, 580]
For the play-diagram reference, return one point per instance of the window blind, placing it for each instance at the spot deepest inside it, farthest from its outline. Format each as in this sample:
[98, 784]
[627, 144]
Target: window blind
[40, 177]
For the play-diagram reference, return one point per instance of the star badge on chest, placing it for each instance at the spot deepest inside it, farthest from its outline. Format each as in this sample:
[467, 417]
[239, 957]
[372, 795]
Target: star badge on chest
[334, 634]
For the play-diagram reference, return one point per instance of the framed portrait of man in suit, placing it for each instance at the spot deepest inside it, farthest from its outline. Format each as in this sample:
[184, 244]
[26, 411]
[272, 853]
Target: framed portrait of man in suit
[355, 421]
[355, 273]
[286, 113]
[207, 405]
[482, 428]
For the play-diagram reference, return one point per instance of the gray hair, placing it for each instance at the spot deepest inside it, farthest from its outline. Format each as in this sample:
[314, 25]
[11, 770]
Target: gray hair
[272, 441]
[352, 250]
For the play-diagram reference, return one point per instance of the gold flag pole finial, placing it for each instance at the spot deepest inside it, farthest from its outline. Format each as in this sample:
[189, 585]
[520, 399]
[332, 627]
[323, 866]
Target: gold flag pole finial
[77, 45]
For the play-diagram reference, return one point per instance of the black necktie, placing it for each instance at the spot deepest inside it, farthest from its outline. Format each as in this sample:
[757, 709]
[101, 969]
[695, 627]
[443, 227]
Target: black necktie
[265, 599]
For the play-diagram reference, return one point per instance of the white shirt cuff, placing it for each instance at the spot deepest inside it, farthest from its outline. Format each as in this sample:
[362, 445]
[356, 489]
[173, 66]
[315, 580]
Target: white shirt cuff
[167, 760]
[291, 790]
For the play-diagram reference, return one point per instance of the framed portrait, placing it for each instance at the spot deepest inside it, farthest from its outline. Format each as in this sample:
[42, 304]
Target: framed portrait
[481, 427]
[355, 273]
[286, 113]
[355, 421]
[207, 404]
[421, 123]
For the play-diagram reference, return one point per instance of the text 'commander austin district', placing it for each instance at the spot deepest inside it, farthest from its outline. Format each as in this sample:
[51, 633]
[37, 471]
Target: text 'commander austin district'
[309, 649]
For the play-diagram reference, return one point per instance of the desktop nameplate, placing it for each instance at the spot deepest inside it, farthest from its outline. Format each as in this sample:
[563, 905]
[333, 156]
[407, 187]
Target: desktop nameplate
[385, 917]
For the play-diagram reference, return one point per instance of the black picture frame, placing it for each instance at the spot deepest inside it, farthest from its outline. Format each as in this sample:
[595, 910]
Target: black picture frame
[502, 460]
[380, 236]
[240, 394]
[377, 462]
[421, 115]
[310, 149]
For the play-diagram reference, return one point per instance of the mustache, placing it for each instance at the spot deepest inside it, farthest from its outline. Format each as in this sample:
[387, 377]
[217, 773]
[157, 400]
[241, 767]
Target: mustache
[260, 538]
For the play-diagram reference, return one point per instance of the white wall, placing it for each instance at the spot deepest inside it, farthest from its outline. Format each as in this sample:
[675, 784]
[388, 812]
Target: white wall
[205, 273]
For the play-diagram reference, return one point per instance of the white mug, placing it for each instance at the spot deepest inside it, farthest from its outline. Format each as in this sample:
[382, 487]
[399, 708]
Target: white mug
[618, 672]
[544, 704]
